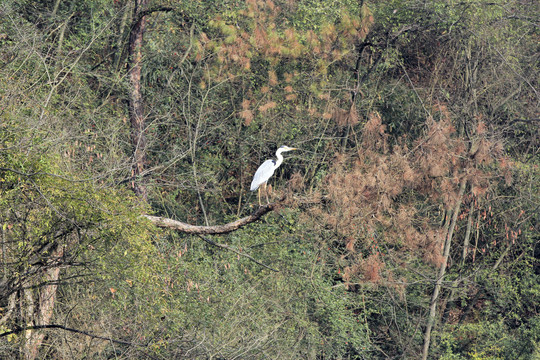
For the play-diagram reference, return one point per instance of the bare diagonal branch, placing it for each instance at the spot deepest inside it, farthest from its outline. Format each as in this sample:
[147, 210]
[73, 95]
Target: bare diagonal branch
[213, 229]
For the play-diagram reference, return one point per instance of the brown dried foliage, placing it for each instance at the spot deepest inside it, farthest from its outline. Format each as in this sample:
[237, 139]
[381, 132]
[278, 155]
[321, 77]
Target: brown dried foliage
[273, 41]
[371, 268]
[346, 117]
[291, 97]
[269, 105]
[396, 195]
[272, 78]
[246, 113]
[297, 181]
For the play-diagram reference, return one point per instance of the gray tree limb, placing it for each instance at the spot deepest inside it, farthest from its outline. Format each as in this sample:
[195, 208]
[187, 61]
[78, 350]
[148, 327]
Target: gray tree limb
[212, 229]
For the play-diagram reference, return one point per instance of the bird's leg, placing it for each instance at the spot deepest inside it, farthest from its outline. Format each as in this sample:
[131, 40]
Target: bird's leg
[259, 196]
[266, 192]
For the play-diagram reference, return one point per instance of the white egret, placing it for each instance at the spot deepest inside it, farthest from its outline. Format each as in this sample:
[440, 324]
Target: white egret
[266, 170]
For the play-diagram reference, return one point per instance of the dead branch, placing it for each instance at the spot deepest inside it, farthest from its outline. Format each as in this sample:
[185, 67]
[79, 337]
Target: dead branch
[213, 229]
[62, 327]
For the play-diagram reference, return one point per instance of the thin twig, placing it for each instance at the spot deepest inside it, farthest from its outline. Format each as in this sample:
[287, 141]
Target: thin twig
[223, 246]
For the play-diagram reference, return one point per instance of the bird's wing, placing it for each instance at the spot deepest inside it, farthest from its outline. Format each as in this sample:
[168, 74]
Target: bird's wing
[262, 174]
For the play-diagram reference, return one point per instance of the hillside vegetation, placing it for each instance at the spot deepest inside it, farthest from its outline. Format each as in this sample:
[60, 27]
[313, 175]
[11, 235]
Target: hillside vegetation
[405, 226]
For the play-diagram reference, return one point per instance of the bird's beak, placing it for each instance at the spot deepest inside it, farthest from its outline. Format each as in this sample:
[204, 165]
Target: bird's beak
[293, 149]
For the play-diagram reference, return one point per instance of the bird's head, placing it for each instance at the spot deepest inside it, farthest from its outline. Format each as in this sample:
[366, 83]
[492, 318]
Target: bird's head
[284, 148]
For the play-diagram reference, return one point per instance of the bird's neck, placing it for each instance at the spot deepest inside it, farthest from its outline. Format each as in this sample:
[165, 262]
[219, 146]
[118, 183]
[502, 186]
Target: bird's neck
[279, 159]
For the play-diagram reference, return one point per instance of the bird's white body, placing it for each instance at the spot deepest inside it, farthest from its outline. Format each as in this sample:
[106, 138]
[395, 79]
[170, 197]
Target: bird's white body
[266, 170]
[264, 173]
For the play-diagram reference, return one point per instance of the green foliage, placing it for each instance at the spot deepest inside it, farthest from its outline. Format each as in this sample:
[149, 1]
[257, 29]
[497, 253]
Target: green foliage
[490, 340]
[238, 307]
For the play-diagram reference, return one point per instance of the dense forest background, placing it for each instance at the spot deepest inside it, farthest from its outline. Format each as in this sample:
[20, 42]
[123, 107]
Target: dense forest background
[406, 226]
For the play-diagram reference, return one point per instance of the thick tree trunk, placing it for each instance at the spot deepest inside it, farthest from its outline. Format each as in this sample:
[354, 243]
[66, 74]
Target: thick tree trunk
[442, 271]
[136, 111]
[43, 313]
